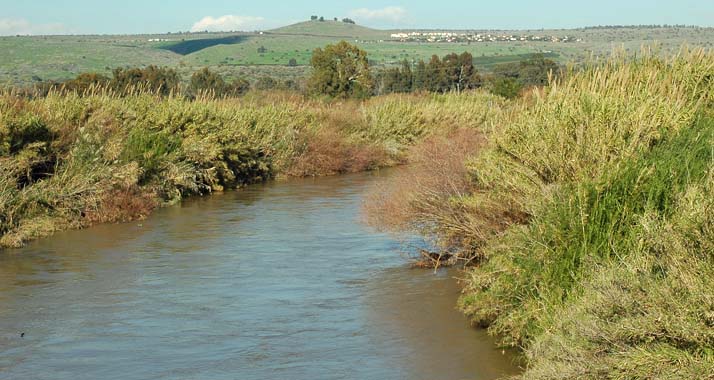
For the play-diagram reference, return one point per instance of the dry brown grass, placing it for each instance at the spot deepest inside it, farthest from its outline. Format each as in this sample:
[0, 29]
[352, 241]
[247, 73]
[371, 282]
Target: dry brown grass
[123, 205]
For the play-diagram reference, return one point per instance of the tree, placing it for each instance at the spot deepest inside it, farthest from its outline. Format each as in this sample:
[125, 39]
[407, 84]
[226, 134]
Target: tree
[292, 62]
[387, 81]
[313, 18]
[262, 50]
[406, 77]
[322, 19]
[238, 87]
[455, 72]
[340, 70]
[205, 81]
[507, 87]
[436, 80]
[531, 72]
[266, 83]
[470, 77]
[86, 81]
[535, 71]
[291, 85]
[160, 80]
[348, 21]
[420, 76]
[460, 72]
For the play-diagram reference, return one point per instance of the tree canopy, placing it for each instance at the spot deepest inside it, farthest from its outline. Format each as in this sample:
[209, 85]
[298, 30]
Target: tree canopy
[340, 71]
[455, 72]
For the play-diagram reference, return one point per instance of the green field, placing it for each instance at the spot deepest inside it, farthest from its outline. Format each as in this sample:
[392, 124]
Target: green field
[32, 58]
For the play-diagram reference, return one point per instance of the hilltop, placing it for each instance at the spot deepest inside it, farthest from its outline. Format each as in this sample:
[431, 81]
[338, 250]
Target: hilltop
[331, 29]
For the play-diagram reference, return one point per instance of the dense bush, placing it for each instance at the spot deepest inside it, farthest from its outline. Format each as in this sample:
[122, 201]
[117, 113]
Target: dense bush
[208, 83]
[161, 80]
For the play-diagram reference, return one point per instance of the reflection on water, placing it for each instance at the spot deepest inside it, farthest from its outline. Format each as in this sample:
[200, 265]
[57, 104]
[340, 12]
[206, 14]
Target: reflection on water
[276, 281]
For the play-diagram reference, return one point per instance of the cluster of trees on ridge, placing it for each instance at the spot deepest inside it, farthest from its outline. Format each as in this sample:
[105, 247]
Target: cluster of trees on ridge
[341, 70]
[321, 19]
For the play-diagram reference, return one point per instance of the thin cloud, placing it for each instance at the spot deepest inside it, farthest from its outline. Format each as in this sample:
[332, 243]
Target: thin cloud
[394, 14]
[227, 23]
[15, 26]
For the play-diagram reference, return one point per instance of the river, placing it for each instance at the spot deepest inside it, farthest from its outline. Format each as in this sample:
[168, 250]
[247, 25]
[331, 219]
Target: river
[276, 281]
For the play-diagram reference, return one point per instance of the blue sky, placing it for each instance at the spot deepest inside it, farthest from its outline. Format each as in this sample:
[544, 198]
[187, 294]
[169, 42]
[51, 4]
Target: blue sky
[152, 16]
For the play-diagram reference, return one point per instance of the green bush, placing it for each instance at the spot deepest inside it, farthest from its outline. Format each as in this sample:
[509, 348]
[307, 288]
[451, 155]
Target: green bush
[509, 88]
[150, 149]
[19, 131]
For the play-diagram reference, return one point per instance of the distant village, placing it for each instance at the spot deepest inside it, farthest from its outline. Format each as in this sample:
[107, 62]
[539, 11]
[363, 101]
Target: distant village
[476, 37]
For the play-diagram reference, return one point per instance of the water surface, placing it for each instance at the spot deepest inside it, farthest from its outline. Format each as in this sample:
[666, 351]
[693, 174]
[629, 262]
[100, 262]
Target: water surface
[277, 281]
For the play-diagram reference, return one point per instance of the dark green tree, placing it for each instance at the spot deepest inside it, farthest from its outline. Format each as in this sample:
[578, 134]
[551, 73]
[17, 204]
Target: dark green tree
[535, 71]
[437, 80]
[507, 87]
[420, 76]
[291, 85]
[207, 81]
[406, 77]
[238, 87]
[266, 83]
[341, 71]
[86, 81]
[159, 80]
[531, 72]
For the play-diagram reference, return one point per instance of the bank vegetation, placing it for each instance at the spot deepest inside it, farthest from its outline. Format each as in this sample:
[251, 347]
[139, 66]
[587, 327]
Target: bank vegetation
[585, 212]
[70, 159]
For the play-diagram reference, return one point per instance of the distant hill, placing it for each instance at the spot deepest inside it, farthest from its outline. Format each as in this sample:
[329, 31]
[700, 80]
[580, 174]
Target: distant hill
[331, 29]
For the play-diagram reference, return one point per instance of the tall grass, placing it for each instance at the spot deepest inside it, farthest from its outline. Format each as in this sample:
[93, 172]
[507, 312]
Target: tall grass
[614, 280]
[402, 120]
[590, 168]
[588, 213]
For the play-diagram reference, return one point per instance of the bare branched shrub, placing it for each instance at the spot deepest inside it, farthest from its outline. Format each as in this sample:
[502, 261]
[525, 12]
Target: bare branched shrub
[425, 197]
[123, 205]
[327, 153]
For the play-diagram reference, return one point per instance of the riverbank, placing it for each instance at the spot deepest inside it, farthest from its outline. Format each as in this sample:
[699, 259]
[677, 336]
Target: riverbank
[587, 219]
[70, 161]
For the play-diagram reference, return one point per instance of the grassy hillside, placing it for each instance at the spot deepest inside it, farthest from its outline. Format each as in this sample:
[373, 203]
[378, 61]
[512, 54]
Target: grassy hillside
[255, 54]
[63, 57]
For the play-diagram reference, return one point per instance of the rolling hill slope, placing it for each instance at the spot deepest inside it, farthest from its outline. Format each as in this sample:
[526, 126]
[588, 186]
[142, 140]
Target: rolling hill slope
[331, 29]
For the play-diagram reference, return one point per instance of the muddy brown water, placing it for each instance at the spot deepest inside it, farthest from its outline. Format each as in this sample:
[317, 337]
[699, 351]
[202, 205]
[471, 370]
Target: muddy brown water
[277, 281]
